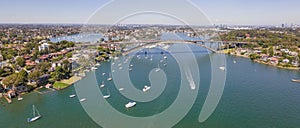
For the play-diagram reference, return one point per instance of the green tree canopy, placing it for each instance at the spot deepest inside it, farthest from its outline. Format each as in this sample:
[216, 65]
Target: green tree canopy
[20, 61]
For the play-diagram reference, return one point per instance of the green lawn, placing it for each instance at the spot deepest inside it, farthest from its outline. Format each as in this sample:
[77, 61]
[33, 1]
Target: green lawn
[60, 85]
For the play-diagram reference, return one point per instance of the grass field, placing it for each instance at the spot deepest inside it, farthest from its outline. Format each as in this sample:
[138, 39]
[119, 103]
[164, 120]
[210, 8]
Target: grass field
[60, 85]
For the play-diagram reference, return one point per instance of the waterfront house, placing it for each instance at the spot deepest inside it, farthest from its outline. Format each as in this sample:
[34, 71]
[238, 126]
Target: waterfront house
[43, 80]
[44, 58]
[264, 57]
[295, 63]
[285, 50]
[293, 53]
[3, 64]
[285, 61]
[48, 86]
[27, 57]
[21, 88]
[274, 60]
[11, 93]
[30, 63]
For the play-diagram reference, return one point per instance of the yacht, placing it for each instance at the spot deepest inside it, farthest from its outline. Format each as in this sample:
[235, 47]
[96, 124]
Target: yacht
[130, 104]
[165, 57]
[146, 88]
[222, 68]
[72, 96]
[83, 99]
[97, 64]
[158, 69]
[107, 96]
[109, 78]
[94, 68]
[165, 64]
[20, 98]
[35, 117]
[102, 85]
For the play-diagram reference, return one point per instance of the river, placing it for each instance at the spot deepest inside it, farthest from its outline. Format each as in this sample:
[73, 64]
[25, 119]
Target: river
[255, 95]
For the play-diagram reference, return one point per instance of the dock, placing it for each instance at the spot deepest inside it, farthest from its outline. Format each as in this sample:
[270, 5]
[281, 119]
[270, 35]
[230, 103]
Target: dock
[8, 99]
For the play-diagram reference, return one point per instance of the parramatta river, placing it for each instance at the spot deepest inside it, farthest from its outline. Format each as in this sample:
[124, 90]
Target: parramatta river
[255, 95]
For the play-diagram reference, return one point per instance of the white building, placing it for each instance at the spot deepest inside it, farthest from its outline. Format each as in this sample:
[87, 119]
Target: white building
[44, 46]
[286, 61]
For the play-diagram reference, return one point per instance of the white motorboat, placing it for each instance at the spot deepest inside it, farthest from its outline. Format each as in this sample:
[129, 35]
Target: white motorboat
[94, 68]
[222, 68]
[83, 99]
[102, 85]
[165, 57]
[146, 88]
[107, 96]
[35, 117]
[72, 96]
[103, 74]
[20, 98]
[97, 64]
[121, 89]
[109, 78]
[158, 68]
[130, 104]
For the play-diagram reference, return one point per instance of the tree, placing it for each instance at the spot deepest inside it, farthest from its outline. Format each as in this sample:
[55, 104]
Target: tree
[5, 71]
[34, 76]
[58, 74]
[23, 75]
[271, 51]
[12, 81]
[43, 67]
[20, 61]
[264, 51]
[69, 55]
[253, 56]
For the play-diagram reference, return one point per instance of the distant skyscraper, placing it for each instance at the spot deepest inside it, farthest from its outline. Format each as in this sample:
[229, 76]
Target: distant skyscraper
[282, 25]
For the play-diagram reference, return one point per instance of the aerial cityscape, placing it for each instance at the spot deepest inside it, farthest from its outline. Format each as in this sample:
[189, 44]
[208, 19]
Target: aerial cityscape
[127, 63]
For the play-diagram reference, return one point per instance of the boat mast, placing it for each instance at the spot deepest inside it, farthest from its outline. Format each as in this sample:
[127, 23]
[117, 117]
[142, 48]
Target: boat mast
[37, 112]
[33, 110]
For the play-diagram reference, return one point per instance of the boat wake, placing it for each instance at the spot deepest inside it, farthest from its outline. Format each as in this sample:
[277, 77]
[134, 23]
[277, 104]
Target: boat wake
[190, 79]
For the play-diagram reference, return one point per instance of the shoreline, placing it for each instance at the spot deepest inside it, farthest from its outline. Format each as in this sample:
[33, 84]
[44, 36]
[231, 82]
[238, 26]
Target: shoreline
[261, 62]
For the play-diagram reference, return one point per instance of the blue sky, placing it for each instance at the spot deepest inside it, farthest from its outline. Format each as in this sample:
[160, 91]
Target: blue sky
[245, 12]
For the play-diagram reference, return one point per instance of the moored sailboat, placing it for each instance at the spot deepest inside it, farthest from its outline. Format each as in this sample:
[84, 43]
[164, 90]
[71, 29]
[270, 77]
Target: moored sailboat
[35, 117]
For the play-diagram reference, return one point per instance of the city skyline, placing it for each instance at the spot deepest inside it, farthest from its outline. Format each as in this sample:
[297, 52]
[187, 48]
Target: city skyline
[235, 12]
